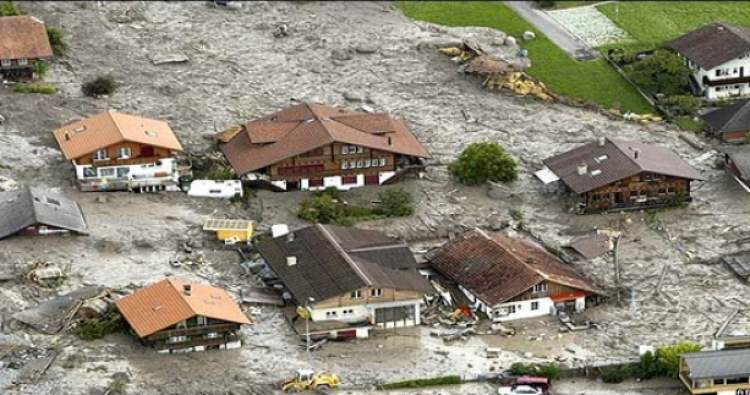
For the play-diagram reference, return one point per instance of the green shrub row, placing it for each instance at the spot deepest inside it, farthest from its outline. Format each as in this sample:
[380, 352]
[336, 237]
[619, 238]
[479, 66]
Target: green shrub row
[442, 380]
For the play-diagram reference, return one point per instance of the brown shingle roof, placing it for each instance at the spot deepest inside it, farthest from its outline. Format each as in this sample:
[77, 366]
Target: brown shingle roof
[614, 161]
[713, 45]
[163, 304]
[304, 127]
[498, 268]
[23, 37]
[335, 260]
[104, 129]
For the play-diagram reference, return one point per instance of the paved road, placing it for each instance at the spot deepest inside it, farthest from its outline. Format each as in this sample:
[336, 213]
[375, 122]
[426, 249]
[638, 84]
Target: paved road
[553, 30]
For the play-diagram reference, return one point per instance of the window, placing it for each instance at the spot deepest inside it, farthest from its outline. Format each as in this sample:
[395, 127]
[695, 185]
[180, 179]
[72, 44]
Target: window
[344, 164]
[123, 153]
[352, 164]
[367, 162]
[89, 172]
[510, 309]
[382, 162]
[360, 149]
[348, 312]
[722, 72]
[376, 292]
[122, 172]
[541, 287]
[360, 164]
[5, 62]
[356, 294]
[100, 154]
[211, 335]
[202, 320]
[23, 62]
[108, 172]
[331, 314]
[178, 339]
[534, 306]
[350, 149]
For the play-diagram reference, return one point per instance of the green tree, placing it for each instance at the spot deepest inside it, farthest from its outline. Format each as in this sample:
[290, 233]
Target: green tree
[681, 104]
[669, 356]
[482, 162]
[663, 72]
[55, 37]
[7, 8]
[40, 68]
[102, 85]
[395, 202]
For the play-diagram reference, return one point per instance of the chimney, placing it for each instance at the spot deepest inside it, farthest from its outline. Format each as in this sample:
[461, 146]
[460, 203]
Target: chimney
[389, 140]
[67, 136]
[582, 169]
[290, 237]
[602, 141]
[186, 288]
[291, 260]
[636, 153]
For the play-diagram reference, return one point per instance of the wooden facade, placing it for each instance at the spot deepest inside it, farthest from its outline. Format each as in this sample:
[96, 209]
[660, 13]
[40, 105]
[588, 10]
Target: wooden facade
[742, 136]
[733, 385]
[388, 295]
[139, 154]
[194, 332]
[327, 161]
[17, 72]
[640, 191]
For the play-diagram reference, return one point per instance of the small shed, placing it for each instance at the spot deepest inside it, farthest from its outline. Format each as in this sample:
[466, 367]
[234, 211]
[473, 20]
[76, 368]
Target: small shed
[230, 229]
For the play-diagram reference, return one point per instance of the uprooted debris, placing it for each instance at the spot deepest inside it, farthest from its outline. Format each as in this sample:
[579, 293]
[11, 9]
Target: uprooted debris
[36, 363]
[46, 274]
[7, 184]
[52, 316]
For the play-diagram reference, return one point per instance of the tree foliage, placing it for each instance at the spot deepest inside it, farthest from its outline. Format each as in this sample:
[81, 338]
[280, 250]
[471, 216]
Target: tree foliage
[55, 37]
[7, 8]
[663, 72]
[682, 104]
[669, 356]
[395, 202]
[102, 85]
[482, 162]
[40, 68]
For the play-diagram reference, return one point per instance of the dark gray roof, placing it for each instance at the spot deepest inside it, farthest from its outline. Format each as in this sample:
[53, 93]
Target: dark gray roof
[23, 208]
[335, 260]
[740, 156]
[713, 44]
[734, 118]
[738, 263]
[591, 246]
[613, 161]
[718, 364]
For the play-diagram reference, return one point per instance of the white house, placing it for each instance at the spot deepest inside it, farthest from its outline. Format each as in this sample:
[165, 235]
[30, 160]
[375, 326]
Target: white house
[347, 280]
[509, 279]
[718, 55]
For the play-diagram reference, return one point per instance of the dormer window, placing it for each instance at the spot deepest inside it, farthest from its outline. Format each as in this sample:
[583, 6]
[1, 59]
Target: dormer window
[123, 153]
[100, 154]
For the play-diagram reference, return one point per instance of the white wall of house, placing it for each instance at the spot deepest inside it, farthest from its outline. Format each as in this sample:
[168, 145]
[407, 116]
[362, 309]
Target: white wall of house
[365, 312]
[132, 172]
[523, 309]
[728, 70]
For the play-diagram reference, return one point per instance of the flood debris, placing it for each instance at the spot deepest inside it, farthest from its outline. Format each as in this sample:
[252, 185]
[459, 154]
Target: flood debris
[52, 316]
[34, 364]
[167, 58]
[46, 274]
[260, 295]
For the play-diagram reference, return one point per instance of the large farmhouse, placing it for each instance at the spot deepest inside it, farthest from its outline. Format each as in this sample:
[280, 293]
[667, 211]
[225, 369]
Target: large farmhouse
[114, 151]
[23, 42]
[508, 279]
[350, 280]
[611, 174]
[312, 146]
[718, 55]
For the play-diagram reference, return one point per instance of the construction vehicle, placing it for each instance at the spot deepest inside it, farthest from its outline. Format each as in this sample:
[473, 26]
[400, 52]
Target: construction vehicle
[306, 379]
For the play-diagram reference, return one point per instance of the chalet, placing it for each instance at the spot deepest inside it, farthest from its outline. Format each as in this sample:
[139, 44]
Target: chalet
[721, 372]
[312, 147]
[731, 124]
[39, 212]
[176, 316]
[612, 174]
[113, 151]
[23, 42]
[508, 279]
[737, 163]
[349, 280]
[718, 56]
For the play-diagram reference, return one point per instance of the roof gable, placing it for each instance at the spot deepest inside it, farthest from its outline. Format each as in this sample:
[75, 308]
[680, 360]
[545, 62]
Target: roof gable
[23, 37]
[713, 45]
[23, 208]
[304, 127]
[107, 128]
[734, 118]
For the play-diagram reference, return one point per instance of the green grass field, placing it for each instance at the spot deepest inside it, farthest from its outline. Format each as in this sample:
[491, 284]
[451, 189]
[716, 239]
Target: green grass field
[593, 81]
[651, 24]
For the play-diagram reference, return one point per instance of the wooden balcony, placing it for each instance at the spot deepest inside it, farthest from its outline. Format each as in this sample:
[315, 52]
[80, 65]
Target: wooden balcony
[195, 330]
[198, 341]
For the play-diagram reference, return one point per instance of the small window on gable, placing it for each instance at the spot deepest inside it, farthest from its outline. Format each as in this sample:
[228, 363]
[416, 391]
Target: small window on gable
[376, 292]
[100, 154]
[356, 294]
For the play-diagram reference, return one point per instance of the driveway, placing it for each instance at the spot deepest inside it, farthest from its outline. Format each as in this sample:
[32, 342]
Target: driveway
[571, 44]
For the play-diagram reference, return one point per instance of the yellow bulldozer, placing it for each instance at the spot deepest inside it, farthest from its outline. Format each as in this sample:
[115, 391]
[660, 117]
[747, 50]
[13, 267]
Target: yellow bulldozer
[306, 379]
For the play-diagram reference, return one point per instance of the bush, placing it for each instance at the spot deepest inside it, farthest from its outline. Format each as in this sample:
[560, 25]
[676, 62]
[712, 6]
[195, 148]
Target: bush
[395, 202]
[7, 8]
[669, 356]
[649, 367]
[102, 85]
[55, 37]
[549, 370]
[516, 214]
[97, 328]
[45, 89]
[681, 104]
[618, 374]
[662, 72]
[327, 208]
[546, 3]
[40, 68]
[443, 380]
[482, 162]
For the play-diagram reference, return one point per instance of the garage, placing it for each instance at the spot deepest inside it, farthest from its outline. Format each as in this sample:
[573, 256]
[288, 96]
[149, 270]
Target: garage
[395, 317]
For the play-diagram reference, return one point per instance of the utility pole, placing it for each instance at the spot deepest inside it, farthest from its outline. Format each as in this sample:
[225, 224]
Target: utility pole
[307, 323]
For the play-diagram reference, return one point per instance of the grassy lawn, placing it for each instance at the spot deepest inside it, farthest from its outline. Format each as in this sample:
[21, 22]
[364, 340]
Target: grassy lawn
[688, 123]
[593, 81]
[651, 24]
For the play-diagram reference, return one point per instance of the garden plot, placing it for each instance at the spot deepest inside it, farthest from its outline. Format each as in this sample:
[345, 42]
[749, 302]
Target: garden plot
[590, 25]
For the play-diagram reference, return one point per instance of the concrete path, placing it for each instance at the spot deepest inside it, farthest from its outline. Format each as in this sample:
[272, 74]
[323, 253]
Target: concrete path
[564, 39]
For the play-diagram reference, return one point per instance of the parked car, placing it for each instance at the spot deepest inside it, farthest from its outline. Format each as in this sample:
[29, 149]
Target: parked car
[519, 390]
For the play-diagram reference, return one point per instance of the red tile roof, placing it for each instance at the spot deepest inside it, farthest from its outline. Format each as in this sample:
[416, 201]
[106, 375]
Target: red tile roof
[304, 127]
[23, 37]
[163, 304]
[498, 268]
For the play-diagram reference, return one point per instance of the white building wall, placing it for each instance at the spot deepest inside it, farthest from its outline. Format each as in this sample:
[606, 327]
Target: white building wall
[733, 67]
[363, 312]
[142, 171]
[523, 309]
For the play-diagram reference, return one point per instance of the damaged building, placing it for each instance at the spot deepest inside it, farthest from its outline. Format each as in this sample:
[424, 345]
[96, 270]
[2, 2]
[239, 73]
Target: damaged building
[507, 278]
[23, 42]
[112, 151]
[350, 280]
[613, 174]
[737, 164]
[35, 211]
[177, 316]
[312, 147]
